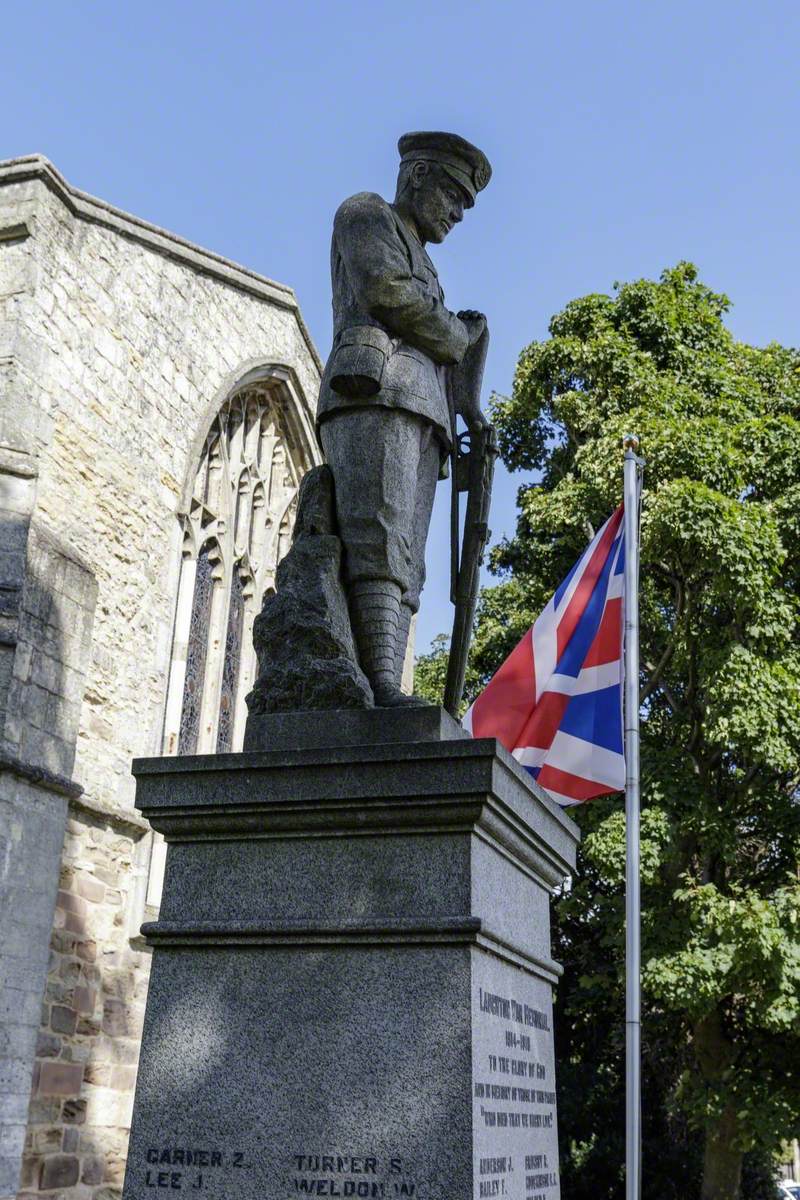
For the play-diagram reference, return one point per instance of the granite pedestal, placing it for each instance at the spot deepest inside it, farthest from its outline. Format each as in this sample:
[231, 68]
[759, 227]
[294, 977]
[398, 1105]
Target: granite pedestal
[351, 991]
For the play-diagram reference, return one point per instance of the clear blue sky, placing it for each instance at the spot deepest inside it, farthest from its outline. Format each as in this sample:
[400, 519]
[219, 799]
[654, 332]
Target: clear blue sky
[624, 136]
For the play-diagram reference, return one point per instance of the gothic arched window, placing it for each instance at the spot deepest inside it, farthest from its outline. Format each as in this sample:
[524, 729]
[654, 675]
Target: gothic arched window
[236, 521]
[235, 532]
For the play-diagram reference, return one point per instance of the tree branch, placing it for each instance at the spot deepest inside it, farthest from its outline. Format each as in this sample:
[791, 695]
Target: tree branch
[674, 704]
[656, 672]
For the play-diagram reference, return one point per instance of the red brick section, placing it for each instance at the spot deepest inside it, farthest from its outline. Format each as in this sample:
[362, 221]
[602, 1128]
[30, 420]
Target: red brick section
[86, 950]
[84, 999]
[59, 1171]
[115, 1017]
[94, 1170]
[88, 1045]
[60, 1078]
[63, 1019]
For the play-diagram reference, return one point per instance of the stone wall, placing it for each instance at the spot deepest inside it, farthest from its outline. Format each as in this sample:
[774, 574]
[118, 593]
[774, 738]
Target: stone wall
[31, 829]
[49, 605]
[119, 343]
[93, 1006]
[128, 354]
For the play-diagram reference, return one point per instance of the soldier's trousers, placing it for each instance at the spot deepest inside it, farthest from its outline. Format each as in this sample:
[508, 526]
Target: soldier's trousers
[385, 464]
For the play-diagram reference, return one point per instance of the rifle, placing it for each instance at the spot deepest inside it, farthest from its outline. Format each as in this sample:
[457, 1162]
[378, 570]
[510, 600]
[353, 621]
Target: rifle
[472, 470]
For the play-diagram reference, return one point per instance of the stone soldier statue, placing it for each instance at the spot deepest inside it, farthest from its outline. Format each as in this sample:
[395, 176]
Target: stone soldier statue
[383, 417]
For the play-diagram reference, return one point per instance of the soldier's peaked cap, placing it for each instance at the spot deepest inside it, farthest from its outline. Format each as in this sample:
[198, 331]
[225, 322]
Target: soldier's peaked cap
[463, 162]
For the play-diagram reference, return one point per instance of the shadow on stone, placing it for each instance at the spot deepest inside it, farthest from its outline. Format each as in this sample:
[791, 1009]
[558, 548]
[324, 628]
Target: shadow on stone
[302, 636]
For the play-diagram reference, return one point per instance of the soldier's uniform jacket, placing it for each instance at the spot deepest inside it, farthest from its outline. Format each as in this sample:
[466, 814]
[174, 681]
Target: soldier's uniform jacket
[391, 328]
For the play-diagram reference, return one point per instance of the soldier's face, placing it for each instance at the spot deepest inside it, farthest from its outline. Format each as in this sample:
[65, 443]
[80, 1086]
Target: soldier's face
[437, 201]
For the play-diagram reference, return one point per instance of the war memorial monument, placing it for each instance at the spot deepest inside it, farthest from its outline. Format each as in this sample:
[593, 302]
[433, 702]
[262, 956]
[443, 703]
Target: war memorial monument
[351, 990]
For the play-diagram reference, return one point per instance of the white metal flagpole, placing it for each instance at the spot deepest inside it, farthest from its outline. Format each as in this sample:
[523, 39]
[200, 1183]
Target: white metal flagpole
[633, 1133]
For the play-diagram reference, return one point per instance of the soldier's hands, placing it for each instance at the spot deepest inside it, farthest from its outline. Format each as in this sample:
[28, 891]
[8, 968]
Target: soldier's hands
[477, 328]
[475, 323]
[476, 421]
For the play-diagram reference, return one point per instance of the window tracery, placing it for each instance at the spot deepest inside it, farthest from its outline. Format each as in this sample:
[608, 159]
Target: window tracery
[237, 529]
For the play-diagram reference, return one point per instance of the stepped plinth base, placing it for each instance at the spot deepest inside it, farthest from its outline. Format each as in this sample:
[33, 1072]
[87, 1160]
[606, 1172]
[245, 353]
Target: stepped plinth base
[351, 990]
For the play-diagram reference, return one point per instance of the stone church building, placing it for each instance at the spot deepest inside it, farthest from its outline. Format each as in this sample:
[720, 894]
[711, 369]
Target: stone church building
[156, 416]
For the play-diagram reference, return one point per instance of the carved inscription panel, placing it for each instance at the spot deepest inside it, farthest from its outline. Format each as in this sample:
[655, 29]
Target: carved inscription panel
[428, 1076]
[357, 1175]
[171, 1167]
[514, 1099]
[217, 1172]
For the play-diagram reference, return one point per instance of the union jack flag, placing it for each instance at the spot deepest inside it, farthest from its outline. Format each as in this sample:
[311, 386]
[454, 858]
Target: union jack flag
[556, 702]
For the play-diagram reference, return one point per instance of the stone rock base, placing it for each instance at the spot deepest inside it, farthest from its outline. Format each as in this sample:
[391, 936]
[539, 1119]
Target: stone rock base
[302, 636]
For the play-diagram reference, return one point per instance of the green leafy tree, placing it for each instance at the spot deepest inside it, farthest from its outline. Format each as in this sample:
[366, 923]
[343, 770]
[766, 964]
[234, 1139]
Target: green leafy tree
[719, 423]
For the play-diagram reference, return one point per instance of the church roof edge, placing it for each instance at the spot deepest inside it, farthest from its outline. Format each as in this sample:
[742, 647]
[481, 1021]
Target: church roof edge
[171, 245]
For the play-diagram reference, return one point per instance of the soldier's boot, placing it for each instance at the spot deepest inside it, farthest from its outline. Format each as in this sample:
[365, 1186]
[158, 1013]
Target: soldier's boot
[403, 627]
[375, 617]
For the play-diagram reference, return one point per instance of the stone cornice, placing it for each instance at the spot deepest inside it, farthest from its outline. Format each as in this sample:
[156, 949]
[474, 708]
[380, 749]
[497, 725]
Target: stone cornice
[49, 781]
[99, 212]
[443, 931]
[425, 788]
[130, 824]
